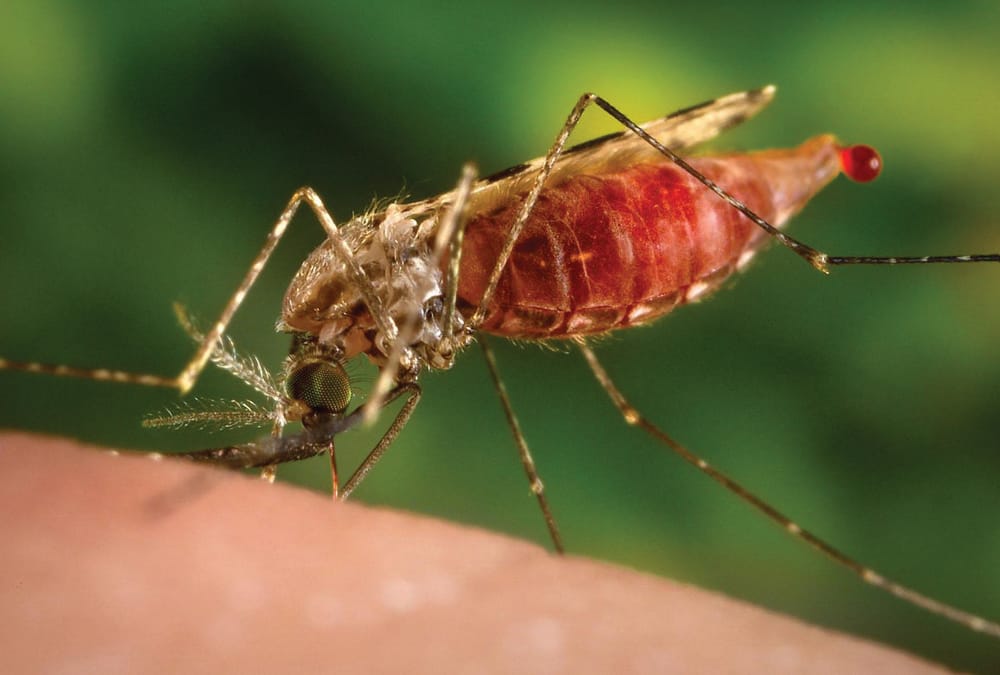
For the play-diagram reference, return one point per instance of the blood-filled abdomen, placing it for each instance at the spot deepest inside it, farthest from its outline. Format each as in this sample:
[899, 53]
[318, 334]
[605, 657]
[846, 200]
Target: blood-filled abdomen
[621, 248]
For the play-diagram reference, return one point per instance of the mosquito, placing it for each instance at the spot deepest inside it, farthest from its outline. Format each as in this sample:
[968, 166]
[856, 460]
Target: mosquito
[605, 235]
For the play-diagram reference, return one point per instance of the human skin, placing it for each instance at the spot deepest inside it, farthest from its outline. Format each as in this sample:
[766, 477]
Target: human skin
[122, 563]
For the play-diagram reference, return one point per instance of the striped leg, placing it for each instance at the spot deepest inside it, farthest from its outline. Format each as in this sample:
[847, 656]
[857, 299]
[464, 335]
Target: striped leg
[866, 574]
[189, 374]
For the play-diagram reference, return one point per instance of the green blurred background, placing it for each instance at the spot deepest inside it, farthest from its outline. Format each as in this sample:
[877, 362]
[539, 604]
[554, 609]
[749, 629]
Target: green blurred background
[145, 151]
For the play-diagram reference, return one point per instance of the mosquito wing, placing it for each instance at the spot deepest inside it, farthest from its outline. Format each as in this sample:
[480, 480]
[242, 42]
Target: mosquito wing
[678, 131]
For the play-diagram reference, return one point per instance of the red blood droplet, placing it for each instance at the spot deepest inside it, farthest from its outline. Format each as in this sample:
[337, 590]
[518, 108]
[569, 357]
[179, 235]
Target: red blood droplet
[860, 162]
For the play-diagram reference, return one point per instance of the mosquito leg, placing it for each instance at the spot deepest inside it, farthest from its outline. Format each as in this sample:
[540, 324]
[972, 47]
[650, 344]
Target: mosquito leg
[456, 215]
[537, 487]
[189, 375]
[866, 574]
[101, 374]
[410, 389]
[526, 207]
[818, 259]
[334, 476]
[451, 234]
[451, 228]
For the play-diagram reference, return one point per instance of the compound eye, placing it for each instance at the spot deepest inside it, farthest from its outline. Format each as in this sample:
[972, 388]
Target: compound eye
[324, 386]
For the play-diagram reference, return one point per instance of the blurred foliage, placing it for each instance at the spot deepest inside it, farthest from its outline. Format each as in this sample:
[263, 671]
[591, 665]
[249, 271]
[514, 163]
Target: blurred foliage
[146, 148]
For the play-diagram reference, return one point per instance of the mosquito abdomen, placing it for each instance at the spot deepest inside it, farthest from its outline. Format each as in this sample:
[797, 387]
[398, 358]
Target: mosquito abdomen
[622, 248]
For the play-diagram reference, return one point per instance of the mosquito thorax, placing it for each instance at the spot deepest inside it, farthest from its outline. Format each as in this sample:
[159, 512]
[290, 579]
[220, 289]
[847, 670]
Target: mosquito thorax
[393, 250]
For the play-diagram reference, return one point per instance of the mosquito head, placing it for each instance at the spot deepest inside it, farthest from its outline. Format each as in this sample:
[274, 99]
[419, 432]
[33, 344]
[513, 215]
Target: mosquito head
[860, 163]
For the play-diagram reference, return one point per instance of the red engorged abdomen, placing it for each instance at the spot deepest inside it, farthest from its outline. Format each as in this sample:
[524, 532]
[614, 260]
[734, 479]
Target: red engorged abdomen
[614, 250]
